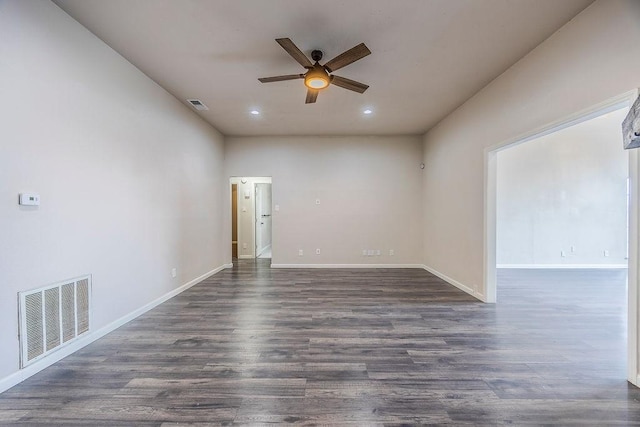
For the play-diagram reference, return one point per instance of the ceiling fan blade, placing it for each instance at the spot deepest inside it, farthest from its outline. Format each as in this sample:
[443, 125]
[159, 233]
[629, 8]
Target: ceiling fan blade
[348, 57]
[296, 53]
[349, 84]
[281, 78]
[312, 95]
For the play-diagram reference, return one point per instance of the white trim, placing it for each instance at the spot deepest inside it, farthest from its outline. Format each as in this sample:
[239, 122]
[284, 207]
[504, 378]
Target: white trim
[455, 283]
[490, 225]
[633, 277]
[86, 339]
[246, 257]
[347, 266]
[567, 266]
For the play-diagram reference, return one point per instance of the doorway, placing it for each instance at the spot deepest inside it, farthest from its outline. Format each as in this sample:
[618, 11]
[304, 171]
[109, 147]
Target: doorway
[491, 224]
[251, 218]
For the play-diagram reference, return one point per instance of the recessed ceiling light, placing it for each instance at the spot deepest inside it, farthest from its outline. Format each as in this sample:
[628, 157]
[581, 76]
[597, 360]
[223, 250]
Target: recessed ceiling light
[367, 111]
[255, 112]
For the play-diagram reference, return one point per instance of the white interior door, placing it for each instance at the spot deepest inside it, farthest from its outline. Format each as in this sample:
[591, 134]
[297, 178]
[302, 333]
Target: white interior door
[263, 218]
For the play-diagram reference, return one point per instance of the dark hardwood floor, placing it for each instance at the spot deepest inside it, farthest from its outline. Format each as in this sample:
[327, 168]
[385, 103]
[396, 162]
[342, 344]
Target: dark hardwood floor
[252, 345]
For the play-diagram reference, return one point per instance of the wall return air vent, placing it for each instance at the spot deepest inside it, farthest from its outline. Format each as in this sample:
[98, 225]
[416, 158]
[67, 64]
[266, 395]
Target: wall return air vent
[52, 317]
[197, 104]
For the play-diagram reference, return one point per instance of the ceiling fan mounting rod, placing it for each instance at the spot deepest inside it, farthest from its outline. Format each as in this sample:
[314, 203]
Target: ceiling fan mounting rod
[316, 55]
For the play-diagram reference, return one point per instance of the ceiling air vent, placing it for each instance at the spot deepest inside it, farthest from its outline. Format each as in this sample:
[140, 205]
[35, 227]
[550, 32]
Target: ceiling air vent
[197, 104]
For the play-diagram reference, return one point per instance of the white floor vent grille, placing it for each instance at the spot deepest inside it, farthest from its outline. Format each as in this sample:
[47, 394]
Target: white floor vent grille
[53, 316]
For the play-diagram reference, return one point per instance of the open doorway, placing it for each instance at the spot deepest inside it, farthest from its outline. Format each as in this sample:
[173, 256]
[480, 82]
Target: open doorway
[251, 220]
[558, 248]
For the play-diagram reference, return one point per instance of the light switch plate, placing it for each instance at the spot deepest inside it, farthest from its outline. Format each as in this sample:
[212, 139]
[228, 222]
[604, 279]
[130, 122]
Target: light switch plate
[29, 199]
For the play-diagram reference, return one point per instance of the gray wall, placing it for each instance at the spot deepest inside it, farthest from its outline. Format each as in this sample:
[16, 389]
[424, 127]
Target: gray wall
[130, 179]
[368, 189]
[564, 192]
[593, 58]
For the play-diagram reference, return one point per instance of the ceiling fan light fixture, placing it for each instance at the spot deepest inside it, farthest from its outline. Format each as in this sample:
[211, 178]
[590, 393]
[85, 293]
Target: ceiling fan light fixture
[317, 78]
[316, 83]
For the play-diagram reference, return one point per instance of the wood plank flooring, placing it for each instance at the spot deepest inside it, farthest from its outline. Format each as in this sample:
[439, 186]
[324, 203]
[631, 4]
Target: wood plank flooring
[255, 346]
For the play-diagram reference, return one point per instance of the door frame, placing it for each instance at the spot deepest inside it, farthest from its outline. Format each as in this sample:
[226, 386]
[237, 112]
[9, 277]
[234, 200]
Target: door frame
[251, 180]
[490, 215]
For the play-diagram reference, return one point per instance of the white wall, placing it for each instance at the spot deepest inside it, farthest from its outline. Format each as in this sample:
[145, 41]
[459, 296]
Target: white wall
[369, 190]
[130, 179]
[564, 192]
[594, 57]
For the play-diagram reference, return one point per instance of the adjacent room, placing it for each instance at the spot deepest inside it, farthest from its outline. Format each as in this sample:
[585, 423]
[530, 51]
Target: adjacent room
[562, 247]
[296, 212]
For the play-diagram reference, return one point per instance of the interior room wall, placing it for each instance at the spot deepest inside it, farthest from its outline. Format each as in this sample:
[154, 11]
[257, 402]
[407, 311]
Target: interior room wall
[130, 179]
[562, 198]
[592, 58]
[341, 195]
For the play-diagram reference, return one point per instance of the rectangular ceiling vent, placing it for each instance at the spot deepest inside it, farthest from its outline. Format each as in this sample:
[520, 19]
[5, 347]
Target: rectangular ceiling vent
[52, 317]
[197, 104]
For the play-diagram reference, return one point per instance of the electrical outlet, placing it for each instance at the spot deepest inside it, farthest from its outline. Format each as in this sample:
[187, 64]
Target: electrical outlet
[300, 252]
[370, 252]
[174, 272]
[573, 248]
[378, 252]
[317, 201]
[391, 252]
[606, 252]
[244, 246]
[318, 251]
[562, 254]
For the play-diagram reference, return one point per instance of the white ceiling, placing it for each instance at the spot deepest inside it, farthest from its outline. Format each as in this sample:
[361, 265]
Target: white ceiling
[429, 56]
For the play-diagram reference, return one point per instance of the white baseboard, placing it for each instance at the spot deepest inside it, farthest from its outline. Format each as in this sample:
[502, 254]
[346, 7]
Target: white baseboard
[455, 283]
[549, 266]
[246, 257]
[346, 266]
[21, 375]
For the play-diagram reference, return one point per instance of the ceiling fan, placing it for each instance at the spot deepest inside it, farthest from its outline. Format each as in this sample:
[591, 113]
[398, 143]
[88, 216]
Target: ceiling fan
[319, 76]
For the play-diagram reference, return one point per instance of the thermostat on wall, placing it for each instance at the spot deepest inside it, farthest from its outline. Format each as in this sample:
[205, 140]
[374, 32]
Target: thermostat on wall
[29, 199]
